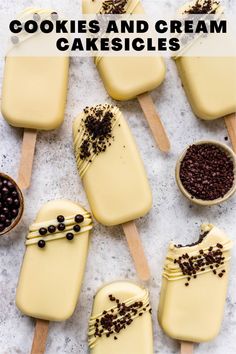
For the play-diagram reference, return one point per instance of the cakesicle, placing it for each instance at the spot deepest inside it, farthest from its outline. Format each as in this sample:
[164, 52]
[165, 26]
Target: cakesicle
[194, 286]
[34, 92]
[121, 320]
[209, 82]
[112, 173]
[127, 77]
[53, 265]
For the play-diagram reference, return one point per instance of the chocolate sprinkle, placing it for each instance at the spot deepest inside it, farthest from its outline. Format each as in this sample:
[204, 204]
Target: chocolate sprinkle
[212, 258]
[114, 7]
[207, 172]
[114, 322]
[202, 7]
[98, 131]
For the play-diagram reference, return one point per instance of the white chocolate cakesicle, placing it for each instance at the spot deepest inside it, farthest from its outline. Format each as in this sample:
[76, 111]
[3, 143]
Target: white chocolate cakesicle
[209, 82]
[34, 88]
[133, 309]
[194, 287]
[126, 77]
[110, 166]
[54, 263]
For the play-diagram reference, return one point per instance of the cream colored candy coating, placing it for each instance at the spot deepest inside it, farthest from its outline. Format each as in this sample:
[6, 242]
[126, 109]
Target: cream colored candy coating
[194, 313]
[51, 277]
[115, 181]
[137, 337]
[127, 77]
[210, 85]
[34, 88]
[209, 82]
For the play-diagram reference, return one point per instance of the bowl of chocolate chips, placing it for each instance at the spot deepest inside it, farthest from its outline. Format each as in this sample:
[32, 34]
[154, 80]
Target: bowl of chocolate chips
[11, 204]
[206, 173]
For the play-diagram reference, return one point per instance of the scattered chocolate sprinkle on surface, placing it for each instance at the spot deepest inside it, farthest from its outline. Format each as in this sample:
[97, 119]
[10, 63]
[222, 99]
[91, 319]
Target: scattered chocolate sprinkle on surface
[203, 7]
[207, 172]
[114, 7]
[98, 131]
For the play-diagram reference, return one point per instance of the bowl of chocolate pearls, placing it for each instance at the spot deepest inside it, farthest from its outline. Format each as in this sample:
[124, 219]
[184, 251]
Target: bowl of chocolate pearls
[206, 173]
[11, 204]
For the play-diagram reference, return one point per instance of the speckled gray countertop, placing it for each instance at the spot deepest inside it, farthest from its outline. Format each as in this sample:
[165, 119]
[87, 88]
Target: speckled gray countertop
[55, 176]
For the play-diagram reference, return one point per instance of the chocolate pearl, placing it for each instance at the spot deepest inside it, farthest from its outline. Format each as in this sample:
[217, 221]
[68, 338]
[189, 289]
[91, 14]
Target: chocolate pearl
[10, 185]
[79, 218]
[41, 243]
[51, 229]
[61, 227]
[16, 202]
[60, 218]
[14, 213]
[5, 210]
[9, 201]
[76, 228]
[14, 39]
[2, 227]
[69, 236]
[5, 182]
[2, 218]
[43, 231]
[5, 191]
[14, 194]
[7, 222]
[36, 17]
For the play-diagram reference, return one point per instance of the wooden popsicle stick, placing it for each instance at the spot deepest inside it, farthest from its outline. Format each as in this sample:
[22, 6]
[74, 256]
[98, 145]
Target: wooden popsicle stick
[230, 122]
[136, 250]
[27, 158]
[40, 337]
[186, 348]
[154, 121]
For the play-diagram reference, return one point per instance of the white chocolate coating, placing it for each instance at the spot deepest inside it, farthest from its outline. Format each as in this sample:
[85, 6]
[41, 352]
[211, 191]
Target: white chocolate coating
[127, 77]
[51, 277]
[115, 181]
[194, 313]
[137, 337]
[34, 88]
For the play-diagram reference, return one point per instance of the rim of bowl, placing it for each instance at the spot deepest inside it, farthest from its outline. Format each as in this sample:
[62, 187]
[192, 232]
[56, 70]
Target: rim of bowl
[21, 209]
[202, 202]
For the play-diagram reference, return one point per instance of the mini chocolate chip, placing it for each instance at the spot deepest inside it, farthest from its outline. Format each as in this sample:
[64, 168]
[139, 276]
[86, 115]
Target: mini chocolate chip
[60, 218]
[79, 218]
[51, 229]
[76, 228]
[43, 231]
[41, 243]
[69, 236]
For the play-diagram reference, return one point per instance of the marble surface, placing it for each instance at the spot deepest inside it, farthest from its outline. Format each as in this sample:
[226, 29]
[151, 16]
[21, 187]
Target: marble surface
[55, 176]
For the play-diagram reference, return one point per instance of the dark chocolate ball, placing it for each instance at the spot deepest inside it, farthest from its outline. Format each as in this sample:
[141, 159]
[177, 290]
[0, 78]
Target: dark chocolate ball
[79, 218]
[43, 231]
[41, 243]
[51, 229]
[60, 218]
[76, 228]
[61, 227]
[69, 236]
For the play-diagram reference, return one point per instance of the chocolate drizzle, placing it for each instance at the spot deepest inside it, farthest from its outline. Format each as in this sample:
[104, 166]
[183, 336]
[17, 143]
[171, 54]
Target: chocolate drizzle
[203, 7]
